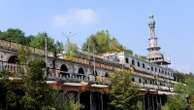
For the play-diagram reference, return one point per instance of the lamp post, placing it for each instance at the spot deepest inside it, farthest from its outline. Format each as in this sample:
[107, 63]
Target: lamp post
[46, 54]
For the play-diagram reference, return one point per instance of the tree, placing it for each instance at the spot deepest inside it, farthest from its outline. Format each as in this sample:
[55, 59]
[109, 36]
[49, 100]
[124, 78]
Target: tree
[124, 94]
[36, 90]
[71, 49]
[175, 103]
[11, 92]
[59, 47]
[39, 42]
[102, 42]
[180, 77]
[15, 35]
[184, 100]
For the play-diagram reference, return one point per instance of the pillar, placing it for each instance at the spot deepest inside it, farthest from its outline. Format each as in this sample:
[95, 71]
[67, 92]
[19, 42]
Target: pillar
[90, 101]
[144, 102]
[101, 97]
[153, 102]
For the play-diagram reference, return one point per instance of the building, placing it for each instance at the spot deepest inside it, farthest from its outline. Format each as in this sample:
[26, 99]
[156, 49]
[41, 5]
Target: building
[154, 54]
[84, 77]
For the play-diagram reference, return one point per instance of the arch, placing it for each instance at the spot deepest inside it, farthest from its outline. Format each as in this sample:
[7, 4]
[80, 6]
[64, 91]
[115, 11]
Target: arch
[13, 59]
[81, 71]
[126, 60]
[64, 68]
[106, 74]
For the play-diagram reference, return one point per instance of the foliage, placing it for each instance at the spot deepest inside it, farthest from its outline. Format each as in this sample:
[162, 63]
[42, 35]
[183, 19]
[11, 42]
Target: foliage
[59, 47]
[10, 93]
[128, 52]
[33, 93]
[124, 94]
[14, 35]
[185, 95]
[24, 54]
[180, 77]
[37, 41]
[71, 105]
[175, 103]
[71, 48]
[102, 42]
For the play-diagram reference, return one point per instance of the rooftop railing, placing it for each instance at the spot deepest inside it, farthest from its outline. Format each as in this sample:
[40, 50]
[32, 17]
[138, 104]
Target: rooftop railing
[15, 46]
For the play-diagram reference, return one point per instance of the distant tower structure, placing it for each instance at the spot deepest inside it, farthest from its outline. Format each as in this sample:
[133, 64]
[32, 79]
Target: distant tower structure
[154, 54]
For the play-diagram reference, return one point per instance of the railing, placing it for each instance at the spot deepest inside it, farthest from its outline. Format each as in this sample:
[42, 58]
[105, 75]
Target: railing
[153, 87]
[76, 77]
[13, 68]
[57, 75]
[16, 46]
[65, 76]
[54, 74]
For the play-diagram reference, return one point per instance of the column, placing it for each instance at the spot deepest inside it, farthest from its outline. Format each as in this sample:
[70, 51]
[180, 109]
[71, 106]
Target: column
[101, 97]
[144, 103]
[90, 100]
[153, 102]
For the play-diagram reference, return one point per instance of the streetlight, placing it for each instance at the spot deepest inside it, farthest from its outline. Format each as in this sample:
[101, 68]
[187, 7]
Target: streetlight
[46, 54]
[68, 38]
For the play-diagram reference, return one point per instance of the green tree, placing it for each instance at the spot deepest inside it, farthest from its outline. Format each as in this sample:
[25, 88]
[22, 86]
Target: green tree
[71, 49]
[59, 47]
[11, 92]
[175, 103]
[124, 94]
[39, 42]
[15, 35]
[102, 42]
[187, 91]
[184, 100]
[36, 90]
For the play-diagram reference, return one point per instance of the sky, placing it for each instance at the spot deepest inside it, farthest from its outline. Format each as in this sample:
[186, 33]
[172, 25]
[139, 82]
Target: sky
[127, 20]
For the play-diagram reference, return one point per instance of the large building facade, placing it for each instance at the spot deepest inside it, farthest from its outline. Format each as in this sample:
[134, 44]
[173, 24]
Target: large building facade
[84, 77]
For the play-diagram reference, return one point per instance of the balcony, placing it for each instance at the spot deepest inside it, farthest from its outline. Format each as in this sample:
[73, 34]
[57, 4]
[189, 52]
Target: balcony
[56, 75]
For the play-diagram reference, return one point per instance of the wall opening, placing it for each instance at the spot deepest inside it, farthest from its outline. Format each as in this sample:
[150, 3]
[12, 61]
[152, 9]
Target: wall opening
[64, 68]
[81, 71]
[13, 59]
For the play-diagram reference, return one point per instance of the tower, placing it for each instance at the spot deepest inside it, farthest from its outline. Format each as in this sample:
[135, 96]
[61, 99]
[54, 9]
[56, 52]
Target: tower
[154, 54]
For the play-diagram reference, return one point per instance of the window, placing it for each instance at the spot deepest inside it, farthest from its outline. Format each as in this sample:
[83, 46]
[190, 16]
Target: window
[139, 80]
[133, 79]
[145, 81]
[63, 68]
[152, 69]
[126, 60]
[133, 62]
[138, 64]
[151, 82]
[81, 71]
[106, 75]
[143, 65]
[155, 69]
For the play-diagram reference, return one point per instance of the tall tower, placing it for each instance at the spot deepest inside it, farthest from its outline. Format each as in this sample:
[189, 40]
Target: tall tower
[154, 54]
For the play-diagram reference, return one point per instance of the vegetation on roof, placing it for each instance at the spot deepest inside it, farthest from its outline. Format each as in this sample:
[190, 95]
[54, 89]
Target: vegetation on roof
[102, 42]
